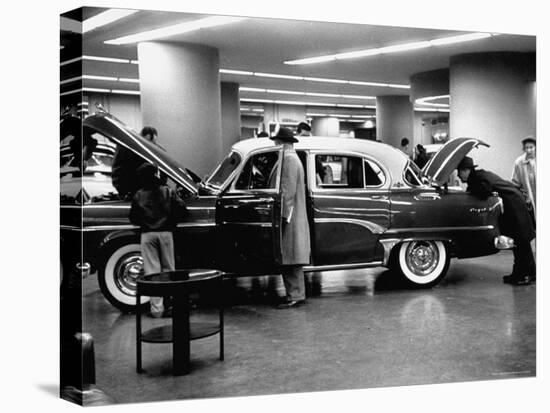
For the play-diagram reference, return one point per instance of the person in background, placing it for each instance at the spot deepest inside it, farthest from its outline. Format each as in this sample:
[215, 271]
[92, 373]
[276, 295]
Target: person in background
[295, 242]
[421, 156]
[515, 221]
[150, 133]
[405, 146]
[303, 129]
[156, 209]
[524, 174]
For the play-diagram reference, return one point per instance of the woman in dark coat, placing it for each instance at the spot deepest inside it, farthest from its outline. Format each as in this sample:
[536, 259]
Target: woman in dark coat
[515, 221]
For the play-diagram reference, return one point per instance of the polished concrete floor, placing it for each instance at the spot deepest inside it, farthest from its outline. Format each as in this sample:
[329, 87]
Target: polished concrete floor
[359, 329]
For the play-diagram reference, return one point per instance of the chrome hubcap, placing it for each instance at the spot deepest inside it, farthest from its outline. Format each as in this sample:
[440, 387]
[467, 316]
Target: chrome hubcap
[128, 269]
[422, 257]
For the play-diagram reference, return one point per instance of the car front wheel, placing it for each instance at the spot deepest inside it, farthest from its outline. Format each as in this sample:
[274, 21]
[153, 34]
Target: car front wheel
[117, 279]
[423, 263]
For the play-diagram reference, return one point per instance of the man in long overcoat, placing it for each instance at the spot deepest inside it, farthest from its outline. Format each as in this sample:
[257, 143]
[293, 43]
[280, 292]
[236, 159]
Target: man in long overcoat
[515, 221]
[295, 243]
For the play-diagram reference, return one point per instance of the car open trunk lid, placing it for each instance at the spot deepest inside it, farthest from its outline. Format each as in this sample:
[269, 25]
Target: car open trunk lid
[445, 161]
[113, 128]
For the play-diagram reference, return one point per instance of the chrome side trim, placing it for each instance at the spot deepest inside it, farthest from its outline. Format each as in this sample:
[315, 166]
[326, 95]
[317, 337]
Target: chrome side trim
[371, 226]
[129, 226]
[311, 268]
[250, 224]
[436, 229]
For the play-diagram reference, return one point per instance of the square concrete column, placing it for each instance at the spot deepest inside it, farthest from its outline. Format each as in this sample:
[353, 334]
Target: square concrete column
[180, 96]
[493, 98]
[231, 115]
[394, 119]
[326, 127]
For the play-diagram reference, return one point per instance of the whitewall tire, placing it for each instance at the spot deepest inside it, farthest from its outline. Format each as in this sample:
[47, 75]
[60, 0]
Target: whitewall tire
[117, 279]
[423, 263]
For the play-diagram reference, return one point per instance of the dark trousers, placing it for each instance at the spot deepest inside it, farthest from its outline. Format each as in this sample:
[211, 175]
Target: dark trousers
[524, 260]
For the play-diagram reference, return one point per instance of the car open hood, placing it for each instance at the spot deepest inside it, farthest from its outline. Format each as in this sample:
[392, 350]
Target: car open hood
[113, 128]
[445, 161]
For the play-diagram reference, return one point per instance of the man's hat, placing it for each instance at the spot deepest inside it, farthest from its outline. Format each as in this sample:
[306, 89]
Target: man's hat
[146, 170]
[529, 139]
[466, 163]
[303, 126]
[284, 134]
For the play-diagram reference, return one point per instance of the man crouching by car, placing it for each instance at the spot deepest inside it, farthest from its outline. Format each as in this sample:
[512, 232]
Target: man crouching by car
[515, 221]
[156, 209]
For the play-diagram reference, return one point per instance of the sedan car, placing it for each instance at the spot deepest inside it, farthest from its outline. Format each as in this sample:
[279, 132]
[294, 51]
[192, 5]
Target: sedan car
[382, 211]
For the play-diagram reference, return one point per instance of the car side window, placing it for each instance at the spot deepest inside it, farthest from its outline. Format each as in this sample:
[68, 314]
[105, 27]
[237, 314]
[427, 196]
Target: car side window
[259, 172]
[337, 171]
[374, 176]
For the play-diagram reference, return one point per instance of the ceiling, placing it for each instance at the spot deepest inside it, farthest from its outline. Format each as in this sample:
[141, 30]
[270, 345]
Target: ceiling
[262, 45]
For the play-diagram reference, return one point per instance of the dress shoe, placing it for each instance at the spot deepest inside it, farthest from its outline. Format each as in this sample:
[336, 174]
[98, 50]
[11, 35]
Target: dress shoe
[509, 279]
[291, 304]
[524, 280]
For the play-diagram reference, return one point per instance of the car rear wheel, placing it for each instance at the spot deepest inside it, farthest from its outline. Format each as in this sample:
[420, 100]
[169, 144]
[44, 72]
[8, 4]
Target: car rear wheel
[422, 263]
[117, 279]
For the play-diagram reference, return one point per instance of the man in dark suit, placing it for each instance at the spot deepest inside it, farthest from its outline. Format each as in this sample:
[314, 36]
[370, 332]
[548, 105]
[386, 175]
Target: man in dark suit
[515, 221]
[295, 241]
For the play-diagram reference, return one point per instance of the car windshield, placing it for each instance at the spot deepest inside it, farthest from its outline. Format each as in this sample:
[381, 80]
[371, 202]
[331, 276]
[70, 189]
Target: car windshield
[224, 170]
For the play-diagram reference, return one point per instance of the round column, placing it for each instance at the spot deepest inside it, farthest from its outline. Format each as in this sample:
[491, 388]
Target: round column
[180, 96]
[231, 115]
[394, 119]
[493, 98]
[325, 127]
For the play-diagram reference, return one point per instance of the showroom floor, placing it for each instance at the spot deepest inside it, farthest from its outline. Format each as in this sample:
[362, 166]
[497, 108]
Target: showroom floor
[357, 330]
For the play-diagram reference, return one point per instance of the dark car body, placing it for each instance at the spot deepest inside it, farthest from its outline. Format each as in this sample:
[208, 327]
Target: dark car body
[382, 212]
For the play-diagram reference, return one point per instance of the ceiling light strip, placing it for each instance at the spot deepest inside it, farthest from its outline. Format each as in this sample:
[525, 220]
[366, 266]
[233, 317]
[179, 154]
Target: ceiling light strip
[292, 92]
[312, 79]
[302, 103]
[391, 49]
[175, 29]
[105, 18]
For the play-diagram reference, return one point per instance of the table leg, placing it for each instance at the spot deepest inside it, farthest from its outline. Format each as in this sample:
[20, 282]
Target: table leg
[180, 330]
[138, 333]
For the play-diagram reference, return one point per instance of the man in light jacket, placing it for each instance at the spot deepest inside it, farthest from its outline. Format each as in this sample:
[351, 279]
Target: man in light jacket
[524, 174]
[295, 242]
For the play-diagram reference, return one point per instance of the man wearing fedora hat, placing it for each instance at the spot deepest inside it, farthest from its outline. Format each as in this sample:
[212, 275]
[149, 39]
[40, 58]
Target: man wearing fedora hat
[295, 242]
[515, 221]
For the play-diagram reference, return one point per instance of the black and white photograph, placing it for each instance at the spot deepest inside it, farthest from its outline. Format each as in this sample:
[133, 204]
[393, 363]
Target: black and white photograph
[255, 205]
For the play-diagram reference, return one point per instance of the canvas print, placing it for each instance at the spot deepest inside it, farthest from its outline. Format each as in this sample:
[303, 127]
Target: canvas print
[254, 206]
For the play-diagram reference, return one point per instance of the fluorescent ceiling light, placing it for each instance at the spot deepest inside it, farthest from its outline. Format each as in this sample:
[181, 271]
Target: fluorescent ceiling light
[276, 76]
[125, 92]
[68, 62]
[236, 72]
[348, 106]
[252, 89]
[93, 89]
[328, 95]
[390, 49]
[358, 97]
[70, 92]
[322, 79]
[83, 104]
[314, 79]
[72, 79]
[461, 38]
[427, 101]
[104, 18]
[431, 110]
[106, 78]
[128, 80]
[257, 110]
[175, 29]
[256, 100]
[363, 116]
[106, 59]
